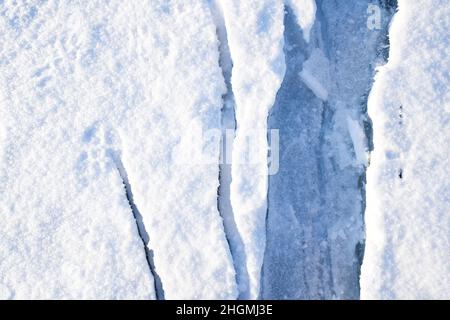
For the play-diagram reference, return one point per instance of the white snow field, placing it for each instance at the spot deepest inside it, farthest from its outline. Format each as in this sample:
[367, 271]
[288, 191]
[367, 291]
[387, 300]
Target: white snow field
[95, 93]
[408, 183]
[224, 149]
[176, 89]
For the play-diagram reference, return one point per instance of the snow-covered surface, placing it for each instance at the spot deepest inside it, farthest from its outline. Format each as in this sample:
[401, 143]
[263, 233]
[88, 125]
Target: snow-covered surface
[228, 134]
[408, 189]
[67, 229]
[255, 38]
[135, 163]
[89, 87]
[176, 195]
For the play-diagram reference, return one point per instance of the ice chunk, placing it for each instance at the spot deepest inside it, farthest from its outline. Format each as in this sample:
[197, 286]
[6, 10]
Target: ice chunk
[67, 229]
[170, 149]
[87, 88]
[315, 74]
[359, 141]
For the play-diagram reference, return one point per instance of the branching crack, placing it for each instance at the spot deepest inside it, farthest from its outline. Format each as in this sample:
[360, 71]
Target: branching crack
[143, 234]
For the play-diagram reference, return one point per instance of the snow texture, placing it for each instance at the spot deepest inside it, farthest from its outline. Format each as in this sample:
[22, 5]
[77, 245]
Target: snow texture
[359, 141]
[86, 86]
[408, 192]
[135, 159]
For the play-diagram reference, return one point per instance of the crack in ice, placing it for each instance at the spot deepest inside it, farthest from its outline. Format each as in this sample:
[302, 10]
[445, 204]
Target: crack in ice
[228, 124]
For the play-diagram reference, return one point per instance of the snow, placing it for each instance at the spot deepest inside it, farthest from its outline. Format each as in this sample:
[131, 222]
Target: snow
[408, 212]
[67, 230]
[255, 38]
[359, 141]
[86, 87]
[217, 149]
[305, 12]
[177, 198]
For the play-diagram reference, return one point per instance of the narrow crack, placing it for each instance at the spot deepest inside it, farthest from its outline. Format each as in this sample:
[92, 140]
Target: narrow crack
[143, 234]
[228, 124]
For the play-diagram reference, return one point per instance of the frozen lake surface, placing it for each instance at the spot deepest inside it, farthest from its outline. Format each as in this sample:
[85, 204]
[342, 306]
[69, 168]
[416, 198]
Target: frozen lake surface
[224, 149]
